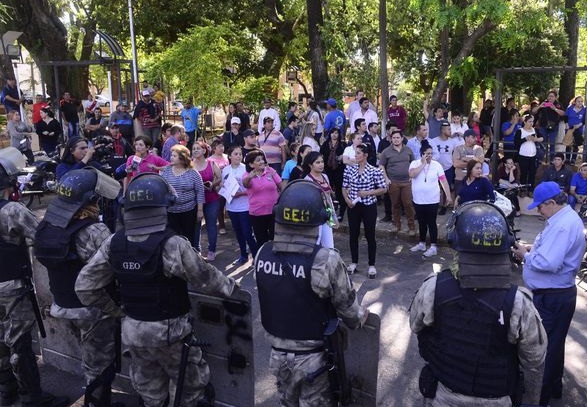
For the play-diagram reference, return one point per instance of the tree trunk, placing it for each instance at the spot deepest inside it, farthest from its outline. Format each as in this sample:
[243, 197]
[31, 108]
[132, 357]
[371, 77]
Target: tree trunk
[45, 37]
[317, 49]
[464, 52]
[569, 78]
[276, 40]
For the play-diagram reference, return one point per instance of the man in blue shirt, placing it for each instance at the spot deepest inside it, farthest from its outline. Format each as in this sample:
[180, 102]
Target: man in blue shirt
[334, 118]
[550, 266]
[12, 99]
[190, 115]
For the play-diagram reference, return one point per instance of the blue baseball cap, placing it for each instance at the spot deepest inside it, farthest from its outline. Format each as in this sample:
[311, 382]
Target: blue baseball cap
[543, 192]
[331, 102]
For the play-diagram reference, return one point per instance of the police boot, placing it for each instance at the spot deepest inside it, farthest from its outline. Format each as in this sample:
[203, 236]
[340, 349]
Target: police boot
[43, 399]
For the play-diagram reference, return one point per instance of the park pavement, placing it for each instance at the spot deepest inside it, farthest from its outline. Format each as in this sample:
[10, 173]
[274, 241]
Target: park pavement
[400, 273]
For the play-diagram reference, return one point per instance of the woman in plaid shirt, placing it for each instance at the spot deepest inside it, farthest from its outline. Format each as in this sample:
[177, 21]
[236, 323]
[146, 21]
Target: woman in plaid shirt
[360, 185]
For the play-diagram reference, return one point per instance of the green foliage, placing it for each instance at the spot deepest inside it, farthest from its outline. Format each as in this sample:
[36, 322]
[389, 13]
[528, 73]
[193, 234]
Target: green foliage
[200, 63]
[252, 91]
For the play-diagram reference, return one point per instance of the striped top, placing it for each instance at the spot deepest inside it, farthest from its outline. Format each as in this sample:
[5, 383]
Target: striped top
[189, 188]
[271, 144]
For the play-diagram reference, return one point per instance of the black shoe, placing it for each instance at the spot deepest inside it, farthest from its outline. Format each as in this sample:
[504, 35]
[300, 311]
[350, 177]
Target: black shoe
[8, 398]
[442, 210]
[386, 218]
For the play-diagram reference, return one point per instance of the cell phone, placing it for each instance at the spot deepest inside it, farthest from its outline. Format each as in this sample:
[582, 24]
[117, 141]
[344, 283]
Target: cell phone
[547, 104]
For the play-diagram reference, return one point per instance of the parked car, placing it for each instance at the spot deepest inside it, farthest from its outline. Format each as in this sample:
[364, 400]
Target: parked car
[102, 100]
[176, 106]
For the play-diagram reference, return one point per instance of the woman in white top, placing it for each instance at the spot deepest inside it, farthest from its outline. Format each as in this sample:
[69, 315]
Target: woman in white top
[307, 136]
[315, 116]
[526, 138]
[426, 174]
[238, 207]
[314, 171]
[348, 155]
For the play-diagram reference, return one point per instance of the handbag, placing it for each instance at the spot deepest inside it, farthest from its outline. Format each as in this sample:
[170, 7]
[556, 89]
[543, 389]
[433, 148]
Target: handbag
[568, 139]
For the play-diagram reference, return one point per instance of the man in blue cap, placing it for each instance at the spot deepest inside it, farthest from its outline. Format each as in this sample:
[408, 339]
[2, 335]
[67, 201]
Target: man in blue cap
[334, 118]
[550, 266]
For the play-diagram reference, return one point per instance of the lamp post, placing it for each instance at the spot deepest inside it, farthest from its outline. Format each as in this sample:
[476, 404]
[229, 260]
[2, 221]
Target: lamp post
[135, 69]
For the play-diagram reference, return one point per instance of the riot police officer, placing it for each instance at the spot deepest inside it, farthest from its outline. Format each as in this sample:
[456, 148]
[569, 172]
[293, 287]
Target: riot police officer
[19, 374]
[69, 235]
[475, 328]
[301, 287]
[152, 266]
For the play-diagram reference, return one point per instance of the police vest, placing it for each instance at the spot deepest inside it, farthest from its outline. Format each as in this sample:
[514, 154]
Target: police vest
[289, 307]
[55, 249]
[145, 292]
[467, 346]
[14, 258]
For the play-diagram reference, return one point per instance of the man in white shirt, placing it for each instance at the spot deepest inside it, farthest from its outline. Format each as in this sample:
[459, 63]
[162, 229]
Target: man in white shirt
[268, 111]
[415, 143]
[364, 112]
[442, 149]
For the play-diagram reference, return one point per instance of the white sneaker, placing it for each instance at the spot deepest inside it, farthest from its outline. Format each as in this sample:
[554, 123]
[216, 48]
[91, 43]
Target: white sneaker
[430, 252]
[351, 268]
[372, 273]
[420, 247]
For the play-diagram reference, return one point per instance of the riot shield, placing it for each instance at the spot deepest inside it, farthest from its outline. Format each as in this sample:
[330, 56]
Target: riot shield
[226, 325]
[362, 362]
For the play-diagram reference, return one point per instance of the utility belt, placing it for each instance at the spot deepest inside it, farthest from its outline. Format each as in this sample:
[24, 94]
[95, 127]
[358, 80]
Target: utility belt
[299, 352]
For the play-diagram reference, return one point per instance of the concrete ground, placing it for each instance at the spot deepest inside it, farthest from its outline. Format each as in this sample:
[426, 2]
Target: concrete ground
[389, 295]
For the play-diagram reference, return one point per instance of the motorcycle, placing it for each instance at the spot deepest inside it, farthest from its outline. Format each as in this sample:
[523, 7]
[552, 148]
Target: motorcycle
[511, 193]
[38, 178]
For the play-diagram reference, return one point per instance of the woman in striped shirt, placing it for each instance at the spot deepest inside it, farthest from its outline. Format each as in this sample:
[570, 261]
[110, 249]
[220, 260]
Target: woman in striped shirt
[189, 188]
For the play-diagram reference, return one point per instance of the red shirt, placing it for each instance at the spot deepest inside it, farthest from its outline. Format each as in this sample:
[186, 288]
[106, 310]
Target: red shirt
[37, 111]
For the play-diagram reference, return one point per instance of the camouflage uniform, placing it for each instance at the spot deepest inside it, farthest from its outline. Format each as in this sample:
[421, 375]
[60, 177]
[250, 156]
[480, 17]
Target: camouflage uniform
[155, 346]
[526, 331]
[18, 365]
[96, 328]
[329, 280]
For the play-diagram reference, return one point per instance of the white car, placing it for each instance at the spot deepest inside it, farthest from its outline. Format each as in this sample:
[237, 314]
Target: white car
[102, 100]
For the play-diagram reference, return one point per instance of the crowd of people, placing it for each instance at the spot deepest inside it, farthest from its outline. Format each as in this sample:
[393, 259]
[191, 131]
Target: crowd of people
[170, 190]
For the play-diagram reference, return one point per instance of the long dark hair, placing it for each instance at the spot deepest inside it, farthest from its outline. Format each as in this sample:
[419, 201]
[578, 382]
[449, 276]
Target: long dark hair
[308, 161]
[301, 150]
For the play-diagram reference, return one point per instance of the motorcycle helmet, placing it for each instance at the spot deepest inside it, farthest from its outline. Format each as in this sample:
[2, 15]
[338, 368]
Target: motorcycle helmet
[11, 162]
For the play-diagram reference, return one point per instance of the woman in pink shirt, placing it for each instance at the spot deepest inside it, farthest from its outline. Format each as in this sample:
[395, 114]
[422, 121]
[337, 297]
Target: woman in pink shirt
[263, 186]
[143, 160]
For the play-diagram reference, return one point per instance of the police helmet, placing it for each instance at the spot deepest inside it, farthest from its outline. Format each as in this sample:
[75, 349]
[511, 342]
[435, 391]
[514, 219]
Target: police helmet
[480, 227]
[76, 189]
[301, 203]
[148, 190]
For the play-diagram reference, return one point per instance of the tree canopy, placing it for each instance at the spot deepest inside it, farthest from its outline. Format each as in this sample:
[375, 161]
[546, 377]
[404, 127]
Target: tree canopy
[218, 51]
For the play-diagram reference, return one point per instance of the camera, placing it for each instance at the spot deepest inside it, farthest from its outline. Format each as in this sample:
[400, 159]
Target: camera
[103, 148]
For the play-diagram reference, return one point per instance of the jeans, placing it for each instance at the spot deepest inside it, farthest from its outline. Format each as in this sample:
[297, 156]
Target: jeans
[556, 308]
[426, 215]
[191, 138]
[72, 129]
[244, 232]
[368, 215]
[152, 132]
[550, 138]
[210, 215]
[263, 227]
